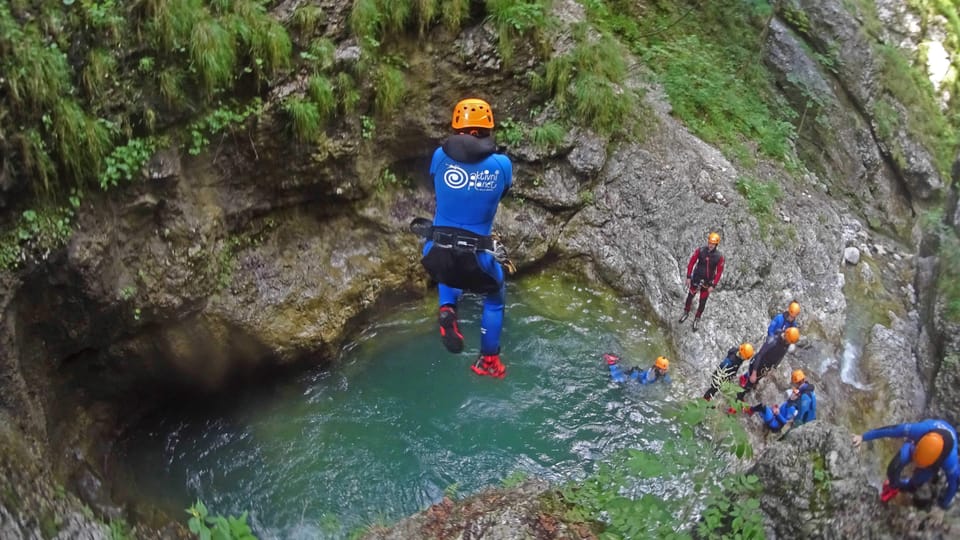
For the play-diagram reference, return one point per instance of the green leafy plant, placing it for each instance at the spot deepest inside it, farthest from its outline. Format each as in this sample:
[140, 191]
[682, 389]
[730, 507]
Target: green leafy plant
[225, 118]
[216, 527]
[126, 161]
[510, 132]
[368, 127]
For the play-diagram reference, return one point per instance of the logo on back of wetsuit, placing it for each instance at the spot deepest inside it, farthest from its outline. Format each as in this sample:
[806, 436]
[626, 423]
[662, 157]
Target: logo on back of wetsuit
[457, 178]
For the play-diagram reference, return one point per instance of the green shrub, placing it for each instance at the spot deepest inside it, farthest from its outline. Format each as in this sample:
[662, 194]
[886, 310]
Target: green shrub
[586, 83]
[213, 51]
[391, 89]
[320, 53]
[347, 92]
[514, 19]
[304, 117]
[510, 132]
[547, 135]
[306, 18]
[126, 161]
[100, 66]
[217, 527]
[321, 91]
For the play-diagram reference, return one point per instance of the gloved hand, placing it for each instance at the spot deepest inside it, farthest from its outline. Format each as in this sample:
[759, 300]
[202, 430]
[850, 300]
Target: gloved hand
[935, 517]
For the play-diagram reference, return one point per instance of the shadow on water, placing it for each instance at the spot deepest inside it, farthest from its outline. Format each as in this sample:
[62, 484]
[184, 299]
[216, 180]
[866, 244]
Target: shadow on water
[399, 421]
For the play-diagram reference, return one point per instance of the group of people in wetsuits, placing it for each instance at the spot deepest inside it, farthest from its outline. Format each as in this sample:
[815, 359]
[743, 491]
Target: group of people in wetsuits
[470, 178]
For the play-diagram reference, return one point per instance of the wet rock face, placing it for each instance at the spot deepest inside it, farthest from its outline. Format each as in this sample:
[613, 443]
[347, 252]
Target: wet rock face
[31, 504]
[834, 31]
[814, 486]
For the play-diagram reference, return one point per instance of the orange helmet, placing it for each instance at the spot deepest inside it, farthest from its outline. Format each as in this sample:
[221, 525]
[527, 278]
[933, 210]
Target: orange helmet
[472, 112]
[791, 335]
[746, 351]
[797, 376]
[929, 448]
[794, 308]
[713, 238]
[662, 363]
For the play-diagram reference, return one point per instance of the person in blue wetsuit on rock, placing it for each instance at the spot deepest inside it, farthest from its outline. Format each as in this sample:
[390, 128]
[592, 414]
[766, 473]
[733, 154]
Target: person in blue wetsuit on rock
[470, 178]
[931, 446]
[784, 320]
[778, 416]
[807, 409]
[656, 372]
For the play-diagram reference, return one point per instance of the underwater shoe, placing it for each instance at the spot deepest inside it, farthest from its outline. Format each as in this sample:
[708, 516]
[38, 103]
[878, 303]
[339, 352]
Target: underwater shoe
[888, 492]
[489, 365]
[684, 316]
[449, 331]
[696, 323]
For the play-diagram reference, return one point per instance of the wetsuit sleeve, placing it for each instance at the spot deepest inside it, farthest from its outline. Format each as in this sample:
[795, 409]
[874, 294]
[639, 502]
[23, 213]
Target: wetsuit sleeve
[716, 277]
[666, 378]
[507, 167]
[900, 431]
[775, 325]
[692, 264]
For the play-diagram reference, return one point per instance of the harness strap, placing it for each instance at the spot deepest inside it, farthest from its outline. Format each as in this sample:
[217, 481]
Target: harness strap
[459, 239]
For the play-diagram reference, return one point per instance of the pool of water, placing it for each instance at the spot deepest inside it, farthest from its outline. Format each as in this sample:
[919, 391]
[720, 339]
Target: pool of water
[399, 422]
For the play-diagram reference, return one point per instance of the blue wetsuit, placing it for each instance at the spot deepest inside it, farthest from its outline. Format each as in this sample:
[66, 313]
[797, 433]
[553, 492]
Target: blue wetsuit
[913, 433]
[776, 421]
[779, 324]
[642, 376]
[807, 411]
[470, 178]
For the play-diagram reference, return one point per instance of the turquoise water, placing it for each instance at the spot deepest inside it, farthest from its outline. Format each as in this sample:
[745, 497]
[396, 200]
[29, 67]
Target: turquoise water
[399, 422]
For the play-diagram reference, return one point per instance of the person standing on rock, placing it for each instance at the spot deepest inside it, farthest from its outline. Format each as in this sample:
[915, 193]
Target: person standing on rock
[931, 445]
[767, 359]
[469, 178]
[784, 320]
[703, 274]
[728, 368]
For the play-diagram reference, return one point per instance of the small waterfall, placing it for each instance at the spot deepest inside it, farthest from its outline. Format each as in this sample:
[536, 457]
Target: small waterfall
[850, 365]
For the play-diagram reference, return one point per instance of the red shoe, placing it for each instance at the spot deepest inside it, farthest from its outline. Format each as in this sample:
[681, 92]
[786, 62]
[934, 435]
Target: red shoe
[489, 365]
[731, 410]
[887, 492]
[449, 331]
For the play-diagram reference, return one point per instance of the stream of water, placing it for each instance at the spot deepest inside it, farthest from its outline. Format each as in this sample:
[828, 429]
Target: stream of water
[399, 422]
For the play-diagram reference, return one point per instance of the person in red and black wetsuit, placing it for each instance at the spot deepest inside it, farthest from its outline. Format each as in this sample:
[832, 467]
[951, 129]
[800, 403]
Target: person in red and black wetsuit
[703, 275]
